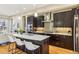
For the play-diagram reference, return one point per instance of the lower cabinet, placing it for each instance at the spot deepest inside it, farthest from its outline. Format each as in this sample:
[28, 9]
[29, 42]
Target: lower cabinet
[62, 41]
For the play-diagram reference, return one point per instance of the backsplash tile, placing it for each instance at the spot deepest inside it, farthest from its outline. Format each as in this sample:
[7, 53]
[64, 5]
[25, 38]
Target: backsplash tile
[62, 30]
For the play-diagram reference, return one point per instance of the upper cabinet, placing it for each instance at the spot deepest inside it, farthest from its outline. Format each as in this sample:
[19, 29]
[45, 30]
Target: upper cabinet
[30, 19]
[58, 19]
[36, 21]
[39, 21]
[63, 19]
[68, 19]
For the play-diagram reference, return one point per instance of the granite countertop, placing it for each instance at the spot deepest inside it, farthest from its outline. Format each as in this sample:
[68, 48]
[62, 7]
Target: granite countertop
[32, 36]
[67, 34]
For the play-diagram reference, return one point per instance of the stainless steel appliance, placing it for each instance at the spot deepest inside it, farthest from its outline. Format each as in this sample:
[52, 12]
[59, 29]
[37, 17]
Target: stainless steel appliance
[29, 27]
[76, 31]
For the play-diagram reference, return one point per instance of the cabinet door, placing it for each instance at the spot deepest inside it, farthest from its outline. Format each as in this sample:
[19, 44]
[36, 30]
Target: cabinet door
[34, 22]
[55, 41]
[58, 20]
[58, 41]
[63, 41]
[68, 42]
[30, 20]
[68, 19]
[30, 23]
[39, 21]
[63, 19]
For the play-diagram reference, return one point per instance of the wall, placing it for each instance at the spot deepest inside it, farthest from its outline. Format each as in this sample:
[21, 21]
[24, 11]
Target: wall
[63, 29]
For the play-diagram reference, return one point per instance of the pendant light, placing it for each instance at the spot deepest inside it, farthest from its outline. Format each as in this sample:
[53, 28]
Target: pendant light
[35, 13]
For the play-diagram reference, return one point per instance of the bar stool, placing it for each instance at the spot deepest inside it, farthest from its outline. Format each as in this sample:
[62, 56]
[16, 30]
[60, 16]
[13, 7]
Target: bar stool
[11, 46]
[31, 48]
[19, 44]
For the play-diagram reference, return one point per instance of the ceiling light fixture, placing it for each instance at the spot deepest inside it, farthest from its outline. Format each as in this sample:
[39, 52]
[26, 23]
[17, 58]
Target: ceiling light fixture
[36, 14]
[19, 17]
[24, 8]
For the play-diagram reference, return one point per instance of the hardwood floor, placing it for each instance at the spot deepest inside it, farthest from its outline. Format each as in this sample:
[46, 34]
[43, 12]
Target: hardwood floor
[58, 50]
[4, 50]
[52, 50]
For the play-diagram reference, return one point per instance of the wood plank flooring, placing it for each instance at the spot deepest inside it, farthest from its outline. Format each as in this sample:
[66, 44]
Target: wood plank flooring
[4, 50]
[58, 50]
[52, 50]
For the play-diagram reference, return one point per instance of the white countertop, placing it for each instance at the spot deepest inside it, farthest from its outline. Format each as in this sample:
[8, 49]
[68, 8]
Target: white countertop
[67, 34]
[32, 36]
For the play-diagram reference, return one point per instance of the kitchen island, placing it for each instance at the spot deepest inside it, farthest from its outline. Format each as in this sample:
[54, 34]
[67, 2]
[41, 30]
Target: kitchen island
[42, 40]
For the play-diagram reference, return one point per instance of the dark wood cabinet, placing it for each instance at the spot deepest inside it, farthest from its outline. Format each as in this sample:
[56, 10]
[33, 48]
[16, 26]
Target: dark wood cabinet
[63, 41]
[39, 21]
[36, 21]
[58, 20]
[30, 20]
[69, 42]
[63, 19]
[68, 19]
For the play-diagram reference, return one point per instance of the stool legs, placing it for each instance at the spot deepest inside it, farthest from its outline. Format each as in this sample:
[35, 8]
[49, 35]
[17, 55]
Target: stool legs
[11, 48]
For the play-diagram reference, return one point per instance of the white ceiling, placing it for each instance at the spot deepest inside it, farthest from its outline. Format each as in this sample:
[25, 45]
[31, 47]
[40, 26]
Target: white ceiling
[13, 9]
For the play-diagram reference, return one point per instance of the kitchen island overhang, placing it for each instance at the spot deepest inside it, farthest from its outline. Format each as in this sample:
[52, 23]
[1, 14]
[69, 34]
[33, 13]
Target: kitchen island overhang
[41, 40]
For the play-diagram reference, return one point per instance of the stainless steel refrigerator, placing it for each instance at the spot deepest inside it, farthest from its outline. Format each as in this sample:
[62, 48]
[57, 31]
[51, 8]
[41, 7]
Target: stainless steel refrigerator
[76, 30]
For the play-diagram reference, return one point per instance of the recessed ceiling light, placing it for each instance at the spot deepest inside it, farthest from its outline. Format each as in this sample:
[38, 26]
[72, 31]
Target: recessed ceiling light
[19, 17]
[24, 8]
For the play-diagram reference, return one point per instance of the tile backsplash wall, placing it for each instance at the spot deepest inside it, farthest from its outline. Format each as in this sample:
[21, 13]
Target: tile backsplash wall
[46, 27]
[62, 29]
[55, 30]
[39, 29]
